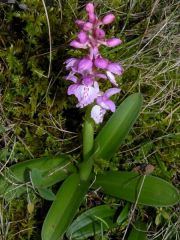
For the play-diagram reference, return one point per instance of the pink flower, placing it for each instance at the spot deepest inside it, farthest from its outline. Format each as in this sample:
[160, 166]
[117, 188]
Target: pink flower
[104, 104]
[85, 91]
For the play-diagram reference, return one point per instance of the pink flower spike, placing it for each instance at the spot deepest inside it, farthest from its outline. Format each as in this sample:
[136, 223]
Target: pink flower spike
[77, 44]
[113, 42]
[90, 8]
[101, 62]
[100, 34]
[108, 19]
[97, 114]
[85, 65]
[82, 37]
[115, 68]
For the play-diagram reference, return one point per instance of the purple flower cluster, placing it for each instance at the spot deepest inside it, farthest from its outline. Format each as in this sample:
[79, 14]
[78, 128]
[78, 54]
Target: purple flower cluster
[87, 71]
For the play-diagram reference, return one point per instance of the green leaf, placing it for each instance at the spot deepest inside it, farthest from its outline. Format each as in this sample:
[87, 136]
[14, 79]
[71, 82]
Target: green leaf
[53, 169]
[37, 180]
[152, 191]
[91, 222]
[118, 126]
[138, 232]
[46, 194]
[64, 207]
[36, 177]
[124, 213]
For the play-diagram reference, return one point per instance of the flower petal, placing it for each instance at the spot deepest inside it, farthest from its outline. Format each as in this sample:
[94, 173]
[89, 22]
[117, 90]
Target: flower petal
[97, 114]
[111, 91]
[86, 94]
[111, 78]
[71, 62]
[80, 23]
[90, 8]
[101, 75]
[101, 62]
[88, 81]
[87, 26]
[110, 105]
[85, 65]
[71, 77]
[115, 68]
[100, 34]
[82, 37]
[77, 44]
[72, 89]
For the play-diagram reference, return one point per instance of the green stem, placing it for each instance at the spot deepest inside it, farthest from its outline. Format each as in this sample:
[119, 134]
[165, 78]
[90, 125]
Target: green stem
[88, 137]
[88, 143]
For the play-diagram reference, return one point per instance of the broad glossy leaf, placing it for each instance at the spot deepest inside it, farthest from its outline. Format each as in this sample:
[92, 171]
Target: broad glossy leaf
[64, 207]
[126, 185]
[138, 232]
[118, 126]
[53, 170]
[91, 222]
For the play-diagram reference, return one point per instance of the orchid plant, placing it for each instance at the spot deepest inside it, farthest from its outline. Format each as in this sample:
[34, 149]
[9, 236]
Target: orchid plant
[88, 74]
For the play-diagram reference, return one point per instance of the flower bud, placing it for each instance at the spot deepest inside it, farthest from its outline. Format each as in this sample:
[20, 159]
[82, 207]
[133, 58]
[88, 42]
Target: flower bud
[82, 37]
[90, 8]
[108, 19]
[77, 44]
[87, 26]
[85, 64]
[101, 62]
[113, 42]
[100, 34]
[80, 23]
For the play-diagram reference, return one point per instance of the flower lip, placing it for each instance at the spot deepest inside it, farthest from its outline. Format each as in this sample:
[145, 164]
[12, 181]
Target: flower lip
[97, 113]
